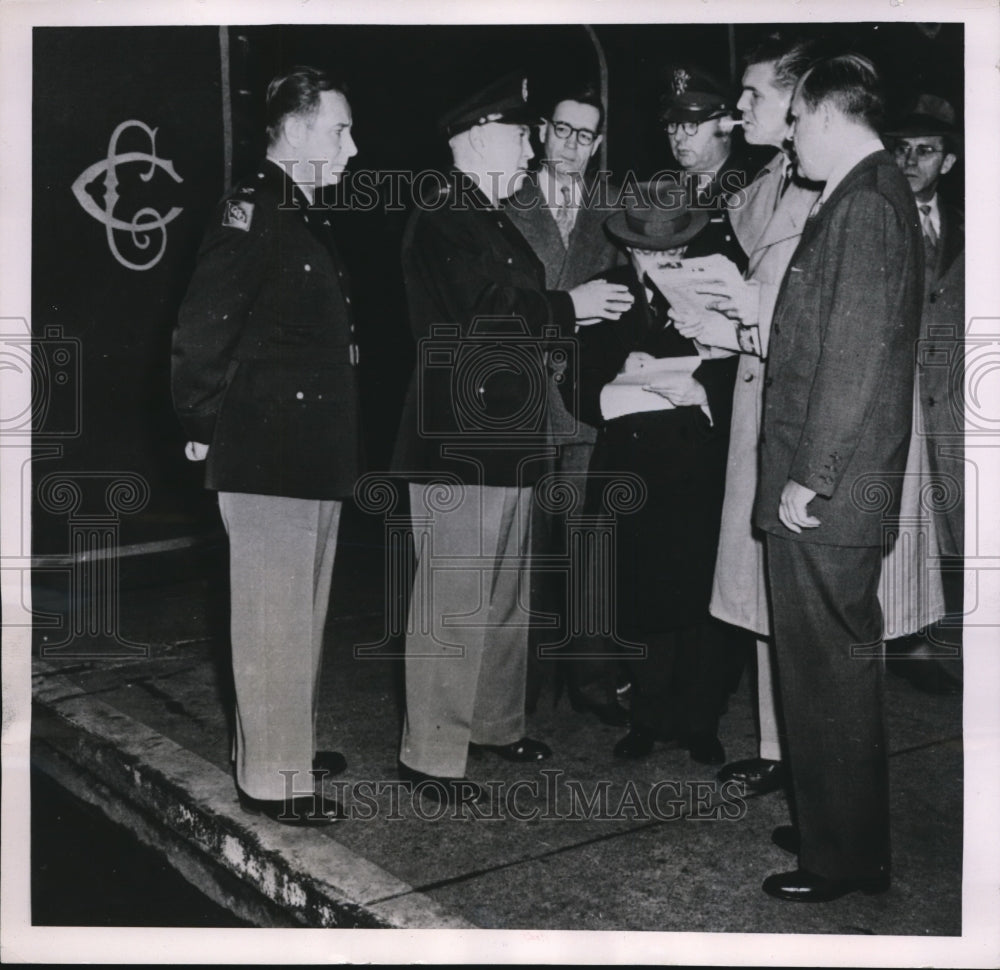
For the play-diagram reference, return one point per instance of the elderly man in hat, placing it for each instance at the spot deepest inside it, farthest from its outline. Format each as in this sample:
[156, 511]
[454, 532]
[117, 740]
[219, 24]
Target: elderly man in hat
[926, 144]
[472, 443]
[662, 405]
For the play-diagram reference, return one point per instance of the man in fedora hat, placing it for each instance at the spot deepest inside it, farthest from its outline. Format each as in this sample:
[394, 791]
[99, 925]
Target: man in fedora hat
[472, 443]
[675, 440]
[926, 143]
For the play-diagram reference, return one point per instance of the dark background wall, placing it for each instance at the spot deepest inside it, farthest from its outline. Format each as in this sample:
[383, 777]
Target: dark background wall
[88, 80]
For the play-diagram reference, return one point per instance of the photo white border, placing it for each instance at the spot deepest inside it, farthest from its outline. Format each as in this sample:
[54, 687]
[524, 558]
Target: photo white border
[979, 945]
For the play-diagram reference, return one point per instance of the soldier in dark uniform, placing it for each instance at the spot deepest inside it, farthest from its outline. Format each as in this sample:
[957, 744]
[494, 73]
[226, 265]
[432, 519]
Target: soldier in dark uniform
[475, 420]
[264, 383]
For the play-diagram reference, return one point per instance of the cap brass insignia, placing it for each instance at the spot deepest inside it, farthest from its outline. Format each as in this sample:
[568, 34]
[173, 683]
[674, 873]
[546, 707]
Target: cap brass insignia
[681, 80]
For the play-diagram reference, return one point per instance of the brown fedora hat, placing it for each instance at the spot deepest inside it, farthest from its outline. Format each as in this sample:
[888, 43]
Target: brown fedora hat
[656, 216]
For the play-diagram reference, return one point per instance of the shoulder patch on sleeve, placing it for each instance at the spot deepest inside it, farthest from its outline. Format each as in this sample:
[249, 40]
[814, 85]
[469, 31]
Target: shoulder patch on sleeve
[238, 214]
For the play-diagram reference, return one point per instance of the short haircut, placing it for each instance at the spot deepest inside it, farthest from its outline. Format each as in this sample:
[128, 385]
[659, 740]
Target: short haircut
[791, 57]
[585, 94]
[851, 82]
[296, 93]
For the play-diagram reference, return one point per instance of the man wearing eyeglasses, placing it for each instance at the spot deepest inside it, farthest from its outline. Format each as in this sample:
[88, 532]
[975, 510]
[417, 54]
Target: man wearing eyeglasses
[561, 214]
[925, 145]
[696, 111]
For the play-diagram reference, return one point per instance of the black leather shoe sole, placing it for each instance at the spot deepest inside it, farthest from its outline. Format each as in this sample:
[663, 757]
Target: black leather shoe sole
[525, 750]
[303, 811]
[787, 837]
[444, 791]
[801, 886]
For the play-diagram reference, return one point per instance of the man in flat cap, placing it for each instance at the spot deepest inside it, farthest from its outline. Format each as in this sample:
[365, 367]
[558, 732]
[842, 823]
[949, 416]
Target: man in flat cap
[926, 144]
[472, 443]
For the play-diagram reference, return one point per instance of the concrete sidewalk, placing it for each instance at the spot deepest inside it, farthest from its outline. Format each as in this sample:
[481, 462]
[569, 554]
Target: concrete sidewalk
[582, 843]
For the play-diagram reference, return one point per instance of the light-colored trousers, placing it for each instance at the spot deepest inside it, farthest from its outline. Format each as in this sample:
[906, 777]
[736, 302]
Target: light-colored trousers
[467, 638]
[281, 553]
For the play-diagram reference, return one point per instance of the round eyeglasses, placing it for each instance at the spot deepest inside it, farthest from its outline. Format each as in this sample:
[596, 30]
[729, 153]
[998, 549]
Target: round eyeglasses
[903, 151]
[688, 127]
[562, 131]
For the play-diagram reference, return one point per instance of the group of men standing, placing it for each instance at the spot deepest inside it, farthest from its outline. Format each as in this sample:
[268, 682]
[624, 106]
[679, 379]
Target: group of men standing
[501, 272]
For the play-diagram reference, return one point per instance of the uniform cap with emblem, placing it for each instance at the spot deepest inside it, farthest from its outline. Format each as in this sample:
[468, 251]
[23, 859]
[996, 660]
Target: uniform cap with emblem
[694, 95]
[504, 101]
[930, 115]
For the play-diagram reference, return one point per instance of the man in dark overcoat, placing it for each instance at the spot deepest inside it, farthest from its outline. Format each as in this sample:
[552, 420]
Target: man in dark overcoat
[264, 383]
[837, 415]
[473, 440]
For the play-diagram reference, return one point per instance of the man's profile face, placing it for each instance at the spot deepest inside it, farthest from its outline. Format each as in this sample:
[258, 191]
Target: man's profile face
[809, 135]
[764, 106]
[567, 156]
[705, 150]
[923, 159]
[506, 153]
[328, 145]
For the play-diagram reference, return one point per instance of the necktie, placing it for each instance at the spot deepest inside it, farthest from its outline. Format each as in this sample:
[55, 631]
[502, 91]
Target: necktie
[564, 216]
[930, 235]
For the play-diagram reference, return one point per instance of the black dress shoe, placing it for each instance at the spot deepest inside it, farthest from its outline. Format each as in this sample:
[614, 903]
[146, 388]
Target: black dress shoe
[444, 791]
[331, 763]
[758, 776]
[802, 886]
[527, 749]
[638, 743]
[787, 837]
[303, 810]
[705, 748]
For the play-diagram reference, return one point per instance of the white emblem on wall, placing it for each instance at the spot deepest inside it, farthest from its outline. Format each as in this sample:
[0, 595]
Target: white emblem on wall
[143, 223]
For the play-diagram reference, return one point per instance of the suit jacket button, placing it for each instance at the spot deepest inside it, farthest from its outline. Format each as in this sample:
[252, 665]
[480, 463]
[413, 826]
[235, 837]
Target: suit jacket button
[932, 298]
[768, 381]
[931, 402]
[777, 329]
[748, 377]
[307, 267]
[299, 395]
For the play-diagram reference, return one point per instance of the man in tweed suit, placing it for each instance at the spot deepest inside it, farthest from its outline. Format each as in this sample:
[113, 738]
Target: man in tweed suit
[837, 416]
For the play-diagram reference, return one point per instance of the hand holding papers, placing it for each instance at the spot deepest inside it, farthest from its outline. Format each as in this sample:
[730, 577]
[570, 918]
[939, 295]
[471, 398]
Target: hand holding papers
[669, 377]
[694, 286]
